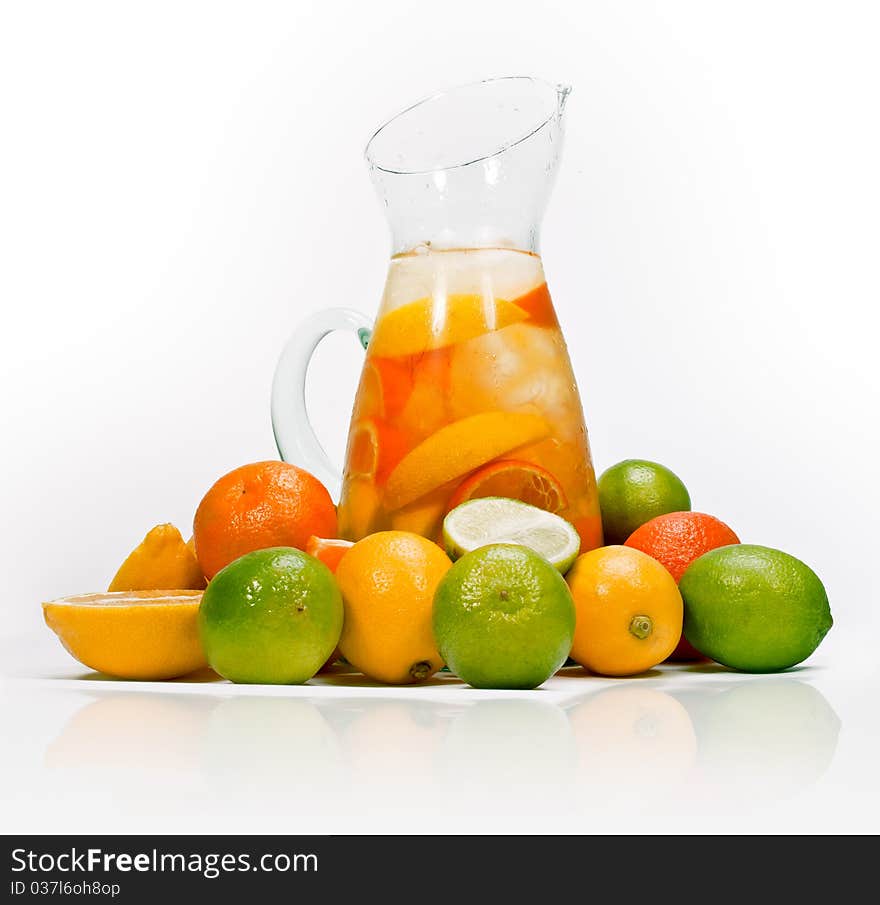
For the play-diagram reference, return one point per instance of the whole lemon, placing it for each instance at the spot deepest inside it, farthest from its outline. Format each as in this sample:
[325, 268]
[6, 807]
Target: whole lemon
[628, 611]
[388, 581]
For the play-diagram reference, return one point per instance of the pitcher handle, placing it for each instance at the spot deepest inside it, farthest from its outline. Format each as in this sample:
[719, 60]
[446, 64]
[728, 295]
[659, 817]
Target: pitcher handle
[294, 435]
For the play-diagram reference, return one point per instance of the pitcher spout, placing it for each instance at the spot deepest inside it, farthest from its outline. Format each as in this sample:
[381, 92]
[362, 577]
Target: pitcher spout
[471, 167]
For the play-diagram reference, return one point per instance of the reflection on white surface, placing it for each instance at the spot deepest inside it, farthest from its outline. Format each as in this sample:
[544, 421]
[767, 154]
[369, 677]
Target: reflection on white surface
[632, 747]
[765, 739]
[120, 731]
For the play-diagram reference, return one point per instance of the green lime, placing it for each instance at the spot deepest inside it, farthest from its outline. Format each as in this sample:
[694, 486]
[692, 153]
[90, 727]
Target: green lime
[272, 616]
[503, 618]
[754, 608]
[499, 520]
[633, 492]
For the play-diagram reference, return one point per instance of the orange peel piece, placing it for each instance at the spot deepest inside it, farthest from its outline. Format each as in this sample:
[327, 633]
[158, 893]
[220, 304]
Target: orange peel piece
[162, 561]
[459, 448]
[432, 323]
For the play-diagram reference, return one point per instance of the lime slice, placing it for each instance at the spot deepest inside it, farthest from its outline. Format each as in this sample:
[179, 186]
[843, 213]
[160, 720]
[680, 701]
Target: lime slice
[498, 520]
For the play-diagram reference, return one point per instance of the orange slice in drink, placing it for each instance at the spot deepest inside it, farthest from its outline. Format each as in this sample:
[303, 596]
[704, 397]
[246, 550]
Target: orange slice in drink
[424, 516]
[538, 306]
[374, 449]
[394, 377]
[359, 509]
[515, 480]
[148, 635]
[432, 323]
[459, 448]
[370, 399]
[363, 449]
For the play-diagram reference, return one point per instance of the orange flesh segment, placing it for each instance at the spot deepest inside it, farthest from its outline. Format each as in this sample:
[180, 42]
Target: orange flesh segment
[459, 448]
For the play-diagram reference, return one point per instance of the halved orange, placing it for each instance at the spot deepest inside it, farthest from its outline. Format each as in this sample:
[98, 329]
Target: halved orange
[516, 480]
[148, 635]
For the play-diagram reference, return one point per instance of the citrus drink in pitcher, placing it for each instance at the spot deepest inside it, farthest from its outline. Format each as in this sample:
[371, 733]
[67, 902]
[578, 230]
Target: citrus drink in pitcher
[467, 389]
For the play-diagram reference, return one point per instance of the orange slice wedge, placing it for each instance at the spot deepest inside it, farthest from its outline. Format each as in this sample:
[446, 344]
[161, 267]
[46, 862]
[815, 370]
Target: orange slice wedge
[432, 323]
[516, 480]
[459, 448]
[148, 635]
[328, 550]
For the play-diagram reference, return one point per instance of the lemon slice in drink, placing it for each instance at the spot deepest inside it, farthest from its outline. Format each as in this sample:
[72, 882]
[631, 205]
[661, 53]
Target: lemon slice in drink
[498, 520]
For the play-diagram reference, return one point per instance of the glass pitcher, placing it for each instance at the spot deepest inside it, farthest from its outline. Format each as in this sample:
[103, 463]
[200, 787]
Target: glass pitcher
[467, 389]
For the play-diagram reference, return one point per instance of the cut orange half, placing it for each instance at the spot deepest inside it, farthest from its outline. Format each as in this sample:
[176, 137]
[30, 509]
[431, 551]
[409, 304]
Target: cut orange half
[515, 480]
[148, 635]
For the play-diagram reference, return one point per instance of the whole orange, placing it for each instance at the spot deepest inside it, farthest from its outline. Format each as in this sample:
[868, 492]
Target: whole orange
[265, 504]
[628, 611]
[388, 581]
[676, 540]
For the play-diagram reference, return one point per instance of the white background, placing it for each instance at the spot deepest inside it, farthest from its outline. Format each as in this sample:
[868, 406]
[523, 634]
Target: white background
[180, 183]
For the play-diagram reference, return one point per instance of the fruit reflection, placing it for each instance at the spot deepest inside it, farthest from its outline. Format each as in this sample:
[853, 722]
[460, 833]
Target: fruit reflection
[267, 754]
[508, 757]
[130, 730]
[765, 739]
[639, 739]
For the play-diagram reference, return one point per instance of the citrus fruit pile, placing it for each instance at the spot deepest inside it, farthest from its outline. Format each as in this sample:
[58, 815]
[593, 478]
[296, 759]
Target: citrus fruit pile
[265, 591]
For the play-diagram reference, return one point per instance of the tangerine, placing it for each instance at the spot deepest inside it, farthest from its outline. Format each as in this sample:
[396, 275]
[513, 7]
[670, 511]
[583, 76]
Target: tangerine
[675, 540]
[261, 505]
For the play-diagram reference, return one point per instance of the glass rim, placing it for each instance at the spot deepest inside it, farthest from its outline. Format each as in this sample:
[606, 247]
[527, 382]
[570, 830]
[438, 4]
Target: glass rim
[561, 90]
